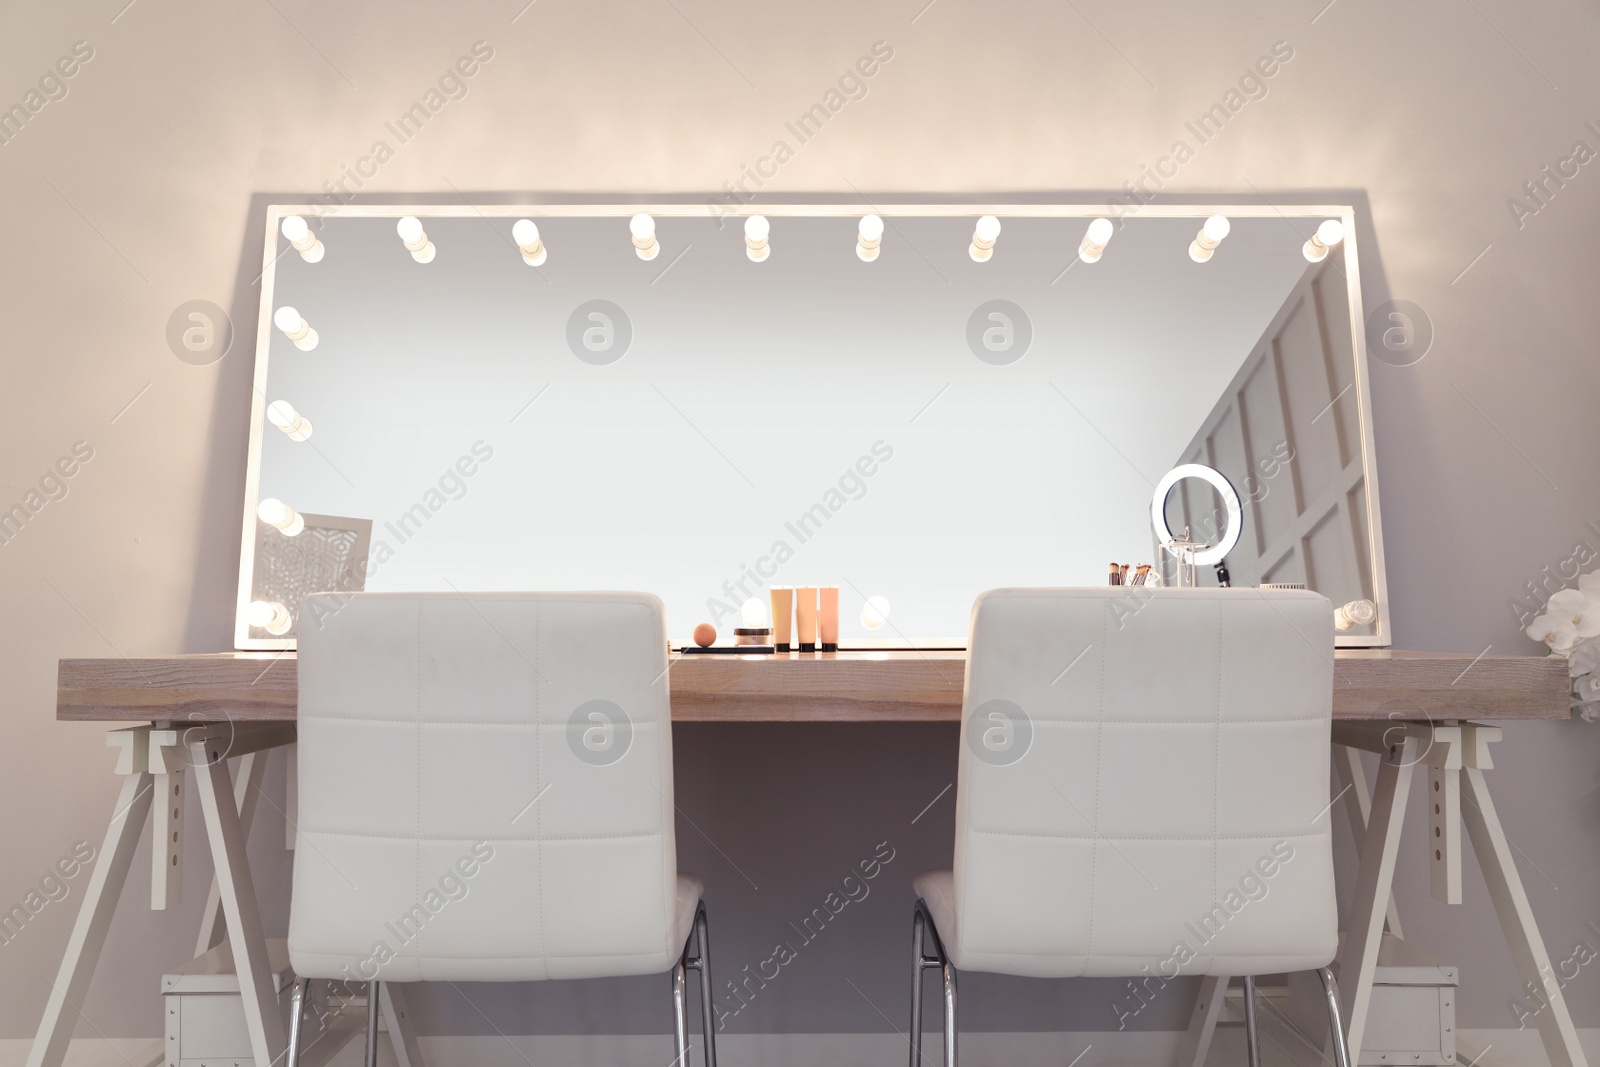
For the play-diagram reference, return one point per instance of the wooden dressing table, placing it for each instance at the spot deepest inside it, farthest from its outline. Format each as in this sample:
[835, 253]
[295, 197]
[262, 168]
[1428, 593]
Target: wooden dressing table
[198, 713]
[899, 686]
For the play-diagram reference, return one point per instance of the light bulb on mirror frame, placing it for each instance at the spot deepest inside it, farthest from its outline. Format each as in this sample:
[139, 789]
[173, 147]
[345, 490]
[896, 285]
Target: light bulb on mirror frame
[1328, 235]
[875, 613]
[300, 236]
[295, 328]
[269, 615]
[869, 238]
[277, 514]
[415, 238]
[1095, 239]
[282, 414]
[643, 229]
[1356, 613]
[984, 235]
[757, 234]
[526, 234]
[1210, 236]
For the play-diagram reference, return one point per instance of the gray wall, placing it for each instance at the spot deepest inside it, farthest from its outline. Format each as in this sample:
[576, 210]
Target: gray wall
[141, 189]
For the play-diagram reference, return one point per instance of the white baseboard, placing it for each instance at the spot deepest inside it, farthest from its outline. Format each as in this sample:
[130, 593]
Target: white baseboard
[1505, 1048]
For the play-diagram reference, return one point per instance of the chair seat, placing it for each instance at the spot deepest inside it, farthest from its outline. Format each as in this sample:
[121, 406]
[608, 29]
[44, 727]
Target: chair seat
[938, 890]
[690, 890]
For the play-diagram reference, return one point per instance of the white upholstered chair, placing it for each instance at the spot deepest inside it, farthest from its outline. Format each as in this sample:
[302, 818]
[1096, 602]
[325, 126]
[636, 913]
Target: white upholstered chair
[485, 795]
[1142, 793]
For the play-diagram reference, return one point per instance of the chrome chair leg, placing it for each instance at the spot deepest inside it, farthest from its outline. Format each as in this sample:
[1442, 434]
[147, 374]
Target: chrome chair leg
[680, 1018]
[297, 1009]
[702, 963]
[923, 929]
[1330, 990]
[949, 1013]
[918, 924]
[374, 996]
[1251, 1042]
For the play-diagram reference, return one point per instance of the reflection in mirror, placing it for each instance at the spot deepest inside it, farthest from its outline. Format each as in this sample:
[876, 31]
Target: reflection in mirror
[701, 408]
[1286, 432]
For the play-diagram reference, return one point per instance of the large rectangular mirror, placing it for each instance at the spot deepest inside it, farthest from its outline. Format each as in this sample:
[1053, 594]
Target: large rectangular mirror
[915, 421]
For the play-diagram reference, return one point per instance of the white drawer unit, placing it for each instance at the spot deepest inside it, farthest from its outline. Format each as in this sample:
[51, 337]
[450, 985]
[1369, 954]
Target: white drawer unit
[1413, 1015]
[204, 1011]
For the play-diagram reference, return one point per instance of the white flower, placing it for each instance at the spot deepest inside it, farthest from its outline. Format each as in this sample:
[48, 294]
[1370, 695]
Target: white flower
[1570, 616]
[1587, 688]
[1584, 657]
[1558, 633]
[1582, 604]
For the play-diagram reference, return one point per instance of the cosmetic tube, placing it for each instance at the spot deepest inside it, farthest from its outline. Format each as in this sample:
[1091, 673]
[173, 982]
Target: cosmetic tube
[782, 616]
[828, 618]
[805, 617]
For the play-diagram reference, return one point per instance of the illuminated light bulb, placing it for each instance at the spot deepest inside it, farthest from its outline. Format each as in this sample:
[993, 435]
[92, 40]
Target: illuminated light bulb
[753, 613]
[276, 513]
[1329, 234]
[756, 231]
[295, 328]
[269, 615]
[1209, 237]
[643, 228]
[282, 414]
[984, 235]
[1356, 613]
[869, 235]
[526, 234]
[415, 239]
[1095, 239]
[304, 241]
[875, 612]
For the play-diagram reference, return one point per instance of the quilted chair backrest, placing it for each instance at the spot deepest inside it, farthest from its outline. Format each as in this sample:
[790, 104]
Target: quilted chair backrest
[485, 787]
[1143, 783]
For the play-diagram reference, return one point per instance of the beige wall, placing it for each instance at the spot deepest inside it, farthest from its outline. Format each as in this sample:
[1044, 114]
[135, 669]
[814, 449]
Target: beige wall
[142, 188]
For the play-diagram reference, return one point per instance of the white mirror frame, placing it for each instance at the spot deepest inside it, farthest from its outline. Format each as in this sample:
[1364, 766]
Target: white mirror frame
[1117, 212]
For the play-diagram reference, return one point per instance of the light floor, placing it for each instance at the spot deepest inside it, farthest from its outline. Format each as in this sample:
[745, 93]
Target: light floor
[1281, 1046]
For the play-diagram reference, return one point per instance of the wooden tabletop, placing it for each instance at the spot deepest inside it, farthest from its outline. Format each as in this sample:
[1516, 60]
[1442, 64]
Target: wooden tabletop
[828, 687]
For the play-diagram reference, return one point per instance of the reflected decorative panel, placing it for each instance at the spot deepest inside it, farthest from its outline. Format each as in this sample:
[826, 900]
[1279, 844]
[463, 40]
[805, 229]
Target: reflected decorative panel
[329, 555]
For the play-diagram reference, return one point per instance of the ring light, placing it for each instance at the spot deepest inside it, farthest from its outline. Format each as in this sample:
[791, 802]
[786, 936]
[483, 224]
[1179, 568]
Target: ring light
[1230, 500]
